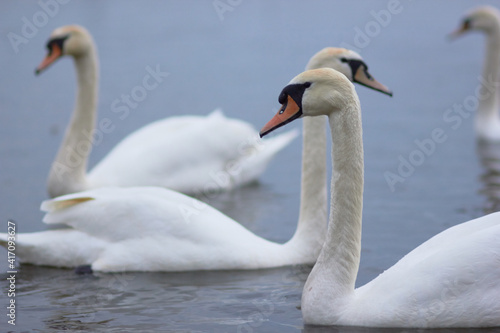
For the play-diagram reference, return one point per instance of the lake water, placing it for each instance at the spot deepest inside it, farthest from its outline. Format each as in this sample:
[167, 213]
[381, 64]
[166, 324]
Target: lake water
[238, 58]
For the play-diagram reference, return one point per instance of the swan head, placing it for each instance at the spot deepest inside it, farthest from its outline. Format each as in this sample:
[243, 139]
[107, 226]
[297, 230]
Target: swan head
[349, 63]
[312, 93]
[70, 40]
[484, 18]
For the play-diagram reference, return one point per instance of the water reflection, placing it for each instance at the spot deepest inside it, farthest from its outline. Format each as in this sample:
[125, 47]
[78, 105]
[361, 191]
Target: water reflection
[346, 329]
[489, 156]
[226, 301]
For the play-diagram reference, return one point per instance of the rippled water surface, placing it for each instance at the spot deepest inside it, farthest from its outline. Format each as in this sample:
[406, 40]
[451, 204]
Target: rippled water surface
[239, 60]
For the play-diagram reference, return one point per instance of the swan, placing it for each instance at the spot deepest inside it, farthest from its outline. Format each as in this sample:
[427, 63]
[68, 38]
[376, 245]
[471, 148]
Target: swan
[451, 280]
[190, 154]
[487, 20]
[156, 229]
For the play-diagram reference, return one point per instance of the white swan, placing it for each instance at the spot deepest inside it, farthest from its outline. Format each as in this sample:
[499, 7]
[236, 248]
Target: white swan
[154, 229]
[191, 154]
[452, 280]
[487, 20]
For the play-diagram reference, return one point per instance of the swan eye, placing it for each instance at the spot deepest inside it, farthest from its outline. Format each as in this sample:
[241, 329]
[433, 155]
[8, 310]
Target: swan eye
[355, 66]
[467, 24]
[344, 60]
[294, 91]
[283, 107]
[59, 41]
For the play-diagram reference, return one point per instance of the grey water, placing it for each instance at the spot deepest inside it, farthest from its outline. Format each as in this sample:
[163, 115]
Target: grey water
[424, 170]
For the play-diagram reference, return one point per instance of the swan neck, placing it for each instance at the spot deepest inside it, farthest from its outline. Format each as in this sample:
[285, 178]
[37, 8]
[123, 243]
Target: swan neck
[488, 99]
[311, 227]
[68, 172]
[312, 223]
[334, 275]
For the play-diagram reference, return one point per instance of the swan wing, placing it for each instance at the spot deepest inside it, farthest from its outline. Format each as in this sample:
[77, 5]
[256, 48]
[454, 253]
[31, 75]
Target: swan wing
[155, 229]
[122, 213]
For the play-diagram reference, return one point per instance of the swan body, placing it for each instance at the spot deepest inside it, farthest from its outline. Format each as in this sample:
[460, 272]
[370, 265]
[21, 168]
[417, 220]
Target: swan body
[191, 154]
[214, 159]
[155, 229]
[451, 280]
[487, 20]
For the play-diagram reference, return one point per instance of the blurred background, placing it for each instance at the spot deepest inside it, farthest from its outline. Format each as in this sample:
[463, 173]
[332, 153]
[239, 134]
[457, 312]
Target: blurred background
[237, 56]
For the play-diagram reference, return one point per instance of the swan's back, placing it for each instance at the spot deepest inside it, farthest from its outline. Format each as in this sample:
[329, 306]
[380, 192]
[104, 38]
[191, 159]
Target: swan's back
[155, 229]
[190, 154]
[452, 280]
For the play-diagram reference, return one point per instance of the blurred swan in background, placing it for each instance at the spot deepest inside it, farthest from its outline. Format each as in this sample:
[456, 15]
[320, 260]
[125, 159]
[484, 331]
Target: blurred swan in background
[155, 229]
[450, 280]
[487, 20]
[190, 154]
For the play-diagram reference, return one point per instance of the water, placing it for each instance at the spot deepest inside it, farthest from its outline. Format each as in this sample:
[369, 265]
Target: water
[241, 63]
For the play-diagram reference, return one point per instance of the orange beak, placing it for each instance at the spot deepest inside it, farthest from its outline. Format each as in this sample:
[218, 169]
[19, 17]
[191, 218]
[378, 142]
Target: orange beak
[370, 82]
[288, 113]
[53, 55]
[457, 33]
[460, 31]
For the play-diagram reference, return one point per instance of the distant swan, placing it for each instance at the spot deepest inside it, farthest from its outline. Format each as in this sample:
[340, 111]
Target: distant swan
[190, 154]
[452, 280]
[487, 20]
[155, 229]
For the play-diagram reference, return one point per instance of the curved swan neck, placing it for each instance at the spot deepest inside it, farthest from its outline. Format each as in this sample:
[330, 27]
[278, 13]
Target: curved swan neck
[335, 272]
[68, 172]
